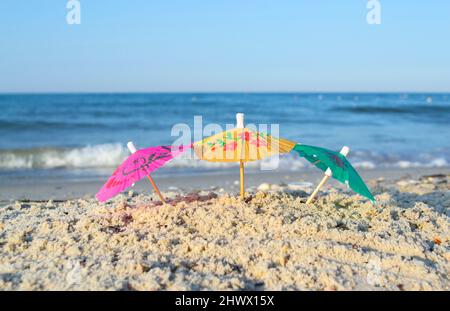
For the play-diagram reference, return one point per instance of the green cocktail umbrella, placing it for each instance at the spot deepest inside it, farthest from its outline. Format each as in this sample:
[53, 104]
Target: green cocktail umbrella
[335, 165]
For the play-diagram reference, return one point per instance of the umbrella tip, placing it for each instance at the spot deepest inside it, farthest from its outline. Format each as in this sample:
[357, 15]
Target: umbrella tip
[131, 147]
[239, 120]
[344, 151]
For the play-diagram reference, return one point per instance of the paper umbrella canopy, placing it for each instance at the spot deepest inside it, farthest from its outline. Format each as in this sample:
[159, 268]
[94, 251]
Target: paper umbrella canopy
[236, 145]
[240, 144]
[340, 167]
[135, 167]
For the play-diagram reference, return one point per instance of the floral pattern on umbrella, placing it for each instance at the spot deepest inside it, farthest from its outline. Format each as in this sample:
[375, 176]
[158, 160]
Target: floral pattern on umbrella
[240, 144]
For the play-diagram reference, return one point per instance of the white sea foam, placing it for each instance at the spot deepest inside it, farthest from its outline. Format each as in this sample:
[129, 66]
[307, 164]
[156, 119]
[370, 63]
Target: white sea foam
[111, 155]
[439, 162]
[365, 165]
[104, 155]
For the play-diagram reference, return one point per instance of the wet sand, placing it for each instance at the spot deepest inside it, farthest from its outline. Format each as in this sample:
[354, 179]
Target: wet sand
[60, 188]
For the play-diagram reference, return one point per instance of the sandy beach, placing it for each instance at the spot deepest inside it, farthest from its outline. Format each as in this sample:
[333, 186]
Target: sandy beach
[211, 239]
[211, 146]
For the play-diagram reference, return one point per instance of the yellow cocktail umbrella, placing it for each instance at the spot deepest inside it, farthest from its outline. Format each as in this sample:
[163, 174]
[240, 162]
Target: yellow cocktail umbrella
[240, 145]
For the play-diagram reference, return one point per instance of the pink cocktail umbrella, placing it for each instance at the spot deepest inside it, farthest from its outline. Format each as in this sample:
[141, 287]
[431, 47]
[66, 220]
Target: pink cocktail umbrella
[137, 166]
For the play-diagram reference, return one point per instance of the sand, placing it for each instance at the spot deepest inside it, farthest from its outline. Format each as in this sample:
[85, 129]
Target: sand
[214, 241]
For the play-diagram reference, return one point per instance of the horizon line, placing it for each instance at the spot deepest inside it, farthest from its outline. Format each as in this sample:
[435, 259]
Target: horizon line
[216, 92]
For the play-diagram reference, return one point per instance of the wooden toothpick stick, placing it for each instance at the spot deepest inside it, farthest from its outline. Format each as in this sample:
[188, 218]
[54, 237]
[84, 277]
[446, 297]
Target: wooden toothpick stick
[132, 149]
[240, 125]
[320, 185]
[241, 169]
[344, 151]
[156, 189]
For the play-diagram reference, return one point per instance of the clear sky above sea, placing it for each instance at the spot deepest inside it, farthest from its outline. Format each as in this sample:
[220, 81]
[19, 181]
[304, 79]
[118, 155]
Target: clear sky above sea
[233, 45]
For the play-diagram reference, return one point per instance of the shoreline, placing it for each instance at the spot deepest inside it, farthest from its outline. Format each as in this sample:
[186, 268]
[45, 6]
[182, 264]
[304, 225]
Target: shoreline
[61, 188]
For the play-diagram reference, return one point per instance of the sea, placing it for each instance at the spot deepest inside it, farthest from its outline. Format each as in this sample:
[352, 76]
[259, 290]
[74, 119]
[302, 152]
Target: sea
[84, 135]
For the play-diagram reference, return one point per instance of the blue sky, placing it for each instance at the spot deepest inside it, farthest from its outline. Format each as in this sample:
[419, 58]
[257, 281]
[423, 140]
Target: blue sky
[233, 45]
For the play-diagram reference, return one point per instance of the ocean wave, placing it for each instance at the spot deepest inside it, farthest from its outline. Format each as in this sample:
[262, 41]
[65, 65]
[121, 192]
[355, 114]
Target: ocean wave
[104, 155]
[44, 124]
[15, 126]
[412, 109]
[111, 155]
